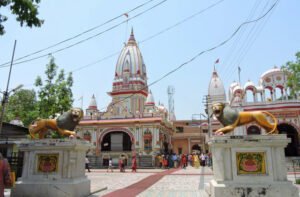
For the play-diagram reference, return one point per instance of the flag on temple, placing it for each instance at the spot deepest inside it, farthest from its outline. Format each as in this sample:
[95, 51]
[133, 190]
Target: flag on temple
[217, 61]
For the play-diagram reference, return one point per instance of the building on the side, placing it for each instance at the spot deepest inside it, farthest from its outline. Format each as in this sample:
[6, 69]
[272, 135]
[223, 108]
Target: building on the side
[270, 94]
[191, 135]
[132, 124]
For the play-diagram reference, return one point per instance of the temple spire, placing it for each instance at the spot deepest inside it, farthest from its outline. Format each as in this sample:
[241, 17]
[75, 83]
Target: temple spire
[131, 38]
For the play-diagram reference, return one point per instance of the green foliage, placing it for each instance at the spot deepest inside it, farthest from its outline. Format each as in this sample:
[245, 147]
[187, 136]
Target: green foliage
[22, 104]
[297, 181]
[26, 12]
[292, 69]
[55, 94]
[55, 135]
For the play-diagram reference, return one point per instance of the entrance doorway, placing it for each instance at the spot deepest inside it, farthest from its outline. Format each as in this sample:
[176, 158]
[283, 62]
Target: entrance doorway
[116, 141]
[196, 149]
[291, 132]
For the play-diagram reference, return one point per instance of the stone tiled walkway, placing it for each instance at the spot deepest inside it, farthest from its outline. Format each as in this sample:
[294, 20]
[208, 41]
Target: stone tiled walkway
[154, 182]
[187, 182]
[136, 188]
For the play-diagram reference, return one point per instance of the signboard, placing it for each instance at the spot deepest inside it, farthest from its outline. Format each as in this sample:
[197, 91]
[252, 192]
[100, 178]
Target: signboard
[47, 163]
[251, 163]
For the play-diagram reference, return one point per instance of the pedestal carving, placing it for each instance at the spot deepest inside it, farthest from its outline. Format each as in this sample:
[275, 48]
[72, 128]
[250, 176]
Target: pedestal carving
[53, 167]
[252, 165]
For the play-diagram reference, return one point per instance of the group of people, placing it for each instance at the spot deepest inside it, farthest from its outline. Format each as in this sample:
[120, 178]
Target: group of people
[174, 160]
[122, 162]
[164, 161]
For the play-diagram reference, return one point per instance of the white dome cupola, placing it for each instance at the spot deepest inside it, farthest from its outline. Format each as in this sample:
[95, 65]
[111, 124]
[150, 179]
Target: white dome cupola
[130, 87]
[130, 64]
[93, 103]
[216, 89]
[150, 99]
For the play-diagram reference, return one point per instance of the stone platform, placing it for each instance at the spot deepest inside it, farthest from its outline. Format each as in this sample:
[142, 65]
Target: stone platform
[252, 165]
[53, 167]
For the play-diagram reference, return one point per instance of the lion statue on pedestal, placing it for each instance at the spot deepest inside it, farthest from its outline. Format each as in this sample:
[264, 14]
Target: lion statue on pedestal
[64, 124]
[231, 118]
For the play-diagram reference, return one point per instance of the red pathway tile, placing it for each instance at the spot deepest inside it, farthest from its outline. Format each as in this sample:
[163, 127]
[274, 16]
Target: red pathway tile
[136, 188]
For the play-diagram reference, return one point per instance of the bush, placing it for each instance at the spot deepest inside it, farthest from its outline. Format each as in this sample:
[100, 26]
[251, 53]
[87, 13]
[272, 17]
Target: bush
[297, 181]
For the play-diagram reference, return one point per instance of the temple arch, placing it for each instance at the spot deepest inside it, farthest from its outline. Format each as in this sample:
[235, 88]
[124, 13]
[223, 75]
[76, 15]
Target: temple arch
[292, 132]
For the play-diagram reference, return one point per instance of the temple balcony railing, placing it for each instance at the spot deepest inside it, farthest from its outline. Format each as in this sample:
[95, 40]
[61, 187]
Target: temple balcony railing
[277, 102]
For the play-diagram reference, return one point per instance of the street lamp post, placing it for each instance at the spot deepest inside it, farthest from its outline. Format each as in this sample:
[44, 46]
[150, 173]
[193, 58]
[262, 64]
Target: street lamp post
[6, 92]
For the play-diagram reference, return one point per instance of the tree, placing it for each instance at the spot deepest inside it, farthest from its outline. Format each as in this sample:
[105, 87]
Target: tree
[25, 10]
[22, 104]
[56, 95]
[292, 69]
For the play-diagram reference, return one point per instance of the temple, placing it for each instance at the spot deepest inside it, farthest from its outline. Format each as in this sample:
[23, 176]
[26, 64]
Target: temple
[132, 124]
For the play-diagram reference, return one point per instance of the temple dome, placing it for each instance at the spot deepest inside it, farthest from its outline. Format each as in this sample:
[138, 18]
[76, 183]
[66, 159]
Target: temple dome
[249, 85]
[272, 71]
[216, 89]
[93, 103]
[237, 90]
[130, 62]
[150, 99]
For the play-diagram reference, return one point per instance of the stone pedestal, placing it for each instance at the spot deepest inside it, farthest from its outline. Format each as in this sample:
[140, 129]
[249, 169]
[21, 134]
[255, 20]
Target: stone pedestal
[53, 167]
[252, 165]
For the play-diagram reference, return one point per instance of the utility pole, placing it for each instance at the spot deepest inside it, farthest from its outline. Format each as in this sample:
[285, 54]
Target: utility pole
[6, 93]
[206, 101]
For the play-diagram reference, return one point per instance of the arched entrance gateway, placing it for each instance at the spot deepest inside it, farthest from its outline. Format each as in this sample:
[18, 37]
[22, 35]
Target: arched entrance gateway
[196, 149]
[115, 143]
[291, 132]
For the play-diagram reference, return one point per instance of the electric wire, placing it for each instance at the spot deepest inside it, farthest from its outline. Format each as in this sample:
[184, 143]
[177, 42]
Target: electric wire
[242, 47]
[235, 50]
[200, 53]
[233, 47]
[233, 65]
[153, 36]
[250, 39]
[88, 38]
[80, 34]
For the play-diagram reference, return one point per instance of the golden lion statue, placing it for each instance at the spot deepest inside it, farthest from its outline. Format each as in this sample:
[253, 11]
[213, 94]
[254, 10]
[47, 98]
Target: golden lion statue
[231, 118]
[64, 124]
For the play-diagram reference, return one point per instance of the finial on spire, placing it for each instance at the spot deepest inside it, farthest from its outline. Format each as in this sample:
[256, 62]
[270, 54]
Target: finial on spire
[131, 38]
[132, 31]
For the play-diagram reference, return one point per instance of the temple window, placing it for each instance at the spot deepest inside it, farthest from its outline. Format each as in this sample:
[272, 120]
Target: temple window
[147, 140]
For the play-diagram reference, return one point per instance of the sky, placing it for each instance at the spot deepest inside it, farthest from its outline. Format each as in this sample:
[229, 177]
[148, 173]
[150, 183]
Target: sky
[169, 35]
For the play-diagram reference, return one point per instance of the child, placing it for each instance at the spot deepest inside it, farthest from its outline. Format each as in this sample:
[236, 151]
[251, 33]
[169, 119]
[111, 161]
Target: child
[110, 166]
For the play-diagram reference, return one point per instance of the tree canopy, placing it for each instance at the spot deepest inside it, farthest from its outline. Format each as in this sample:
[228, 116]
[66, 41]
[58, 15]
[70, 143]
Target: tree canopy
[26, 12]
[55, 94]
[22, 105]
[292, 69]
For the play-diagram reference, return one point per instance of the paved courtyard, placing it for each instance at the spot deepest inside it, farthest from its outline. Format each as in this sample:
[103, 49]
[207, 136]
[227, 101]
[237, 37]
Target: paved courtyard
[187, 182]
[153, 182]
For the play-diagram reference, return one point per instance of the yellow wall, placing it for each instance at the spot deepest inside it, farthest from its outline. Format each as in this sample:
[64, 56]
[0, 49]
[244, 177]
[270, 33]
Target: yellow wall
[180, 143]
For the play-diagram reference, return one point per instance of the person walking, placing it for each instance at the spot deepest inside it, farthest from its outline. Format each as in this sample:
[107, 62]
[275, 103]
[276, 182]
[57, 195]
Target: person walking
[196, 161]
[5, 177]
[183, 161]
[133, 165]
[87, 164]
[202, 158]
[110, 166]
